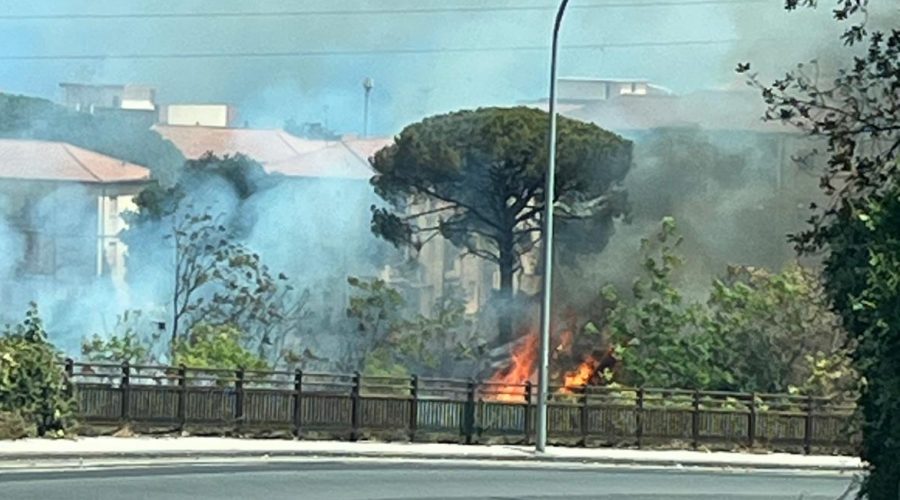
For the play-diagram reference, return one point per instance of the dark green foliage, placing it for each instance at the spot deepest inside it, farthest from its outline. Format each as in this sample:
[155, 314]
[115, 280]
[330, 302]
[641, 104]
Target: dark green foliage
[857, 114]
[476, 178]
[32, 382]
[242, 174]
[117, 135]
[863, 269]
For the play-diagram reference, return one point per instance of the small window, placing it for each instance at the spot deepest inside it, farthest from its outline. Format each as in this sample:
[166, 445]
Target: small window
[40, 254]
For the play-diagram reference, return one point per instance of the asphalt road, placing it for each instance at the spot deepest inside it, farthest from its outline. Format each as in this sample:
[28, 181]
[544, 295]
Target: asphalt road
[395, 481]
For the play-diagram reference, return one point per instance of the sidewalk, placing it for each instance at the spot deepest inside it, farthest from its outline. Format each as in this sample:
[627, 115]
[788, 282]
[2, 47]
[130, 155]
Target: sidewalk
[32, 450]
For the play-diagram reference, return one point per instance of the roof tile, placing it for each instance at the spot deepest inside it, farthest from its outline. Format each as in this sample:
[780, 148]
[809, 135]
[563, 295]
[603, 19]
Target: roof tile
[59, 161]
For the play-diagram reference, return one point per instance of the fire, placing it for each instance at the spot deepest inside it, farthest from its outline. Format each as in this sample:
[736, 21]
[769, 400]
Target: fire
[507, 383]
[580, 376]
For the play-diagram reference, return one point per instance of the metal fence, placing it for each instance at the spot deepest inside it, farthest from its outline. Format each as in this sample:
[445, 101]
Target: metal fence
[351, 406]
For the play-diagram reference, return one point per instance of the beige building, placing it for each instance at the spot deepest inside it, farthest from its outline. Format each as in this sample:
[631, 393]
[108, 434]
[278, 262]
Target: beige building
[60, 216]
[205, 115]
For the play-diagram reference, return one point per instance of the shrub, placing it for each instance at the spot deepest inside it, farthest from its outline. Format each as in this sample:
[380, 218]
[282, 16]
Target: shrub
[32, 382]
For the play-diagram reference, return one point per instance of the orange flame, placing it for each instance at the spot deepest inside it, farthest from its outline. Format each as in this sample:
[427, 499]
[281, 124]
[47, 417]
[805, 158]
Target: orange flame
[580, 376]
[506, 384]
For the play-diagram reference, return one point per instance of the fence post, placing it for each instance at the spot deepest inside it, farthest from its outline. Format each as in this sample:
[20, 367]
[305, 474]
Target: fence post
[469, 415]
[354, 406]
[182, 397]
[528, 388]
[413, 407]
[695, 421]
[639, 417]
[298, 395]
[751, 422]
[239, 395]
[125, 388]
[808, 426]
[585, 431]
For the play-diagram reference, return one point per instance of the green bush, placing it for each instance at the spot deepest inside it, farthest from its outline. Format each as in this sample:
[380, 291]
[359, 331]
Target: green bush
[216, 346]
[32, 380]
[14, 426]
[757, 330]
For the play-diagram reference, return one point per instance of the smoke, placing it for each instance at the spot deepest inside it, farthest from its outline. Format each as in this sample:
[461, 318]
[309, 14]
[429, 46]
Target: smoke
[784, 39]
[316, 231]
[730, 202]
[422, 63]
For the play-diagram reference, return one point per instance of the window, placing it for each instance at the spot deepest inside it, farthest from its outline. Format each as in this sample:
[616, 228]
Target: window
[40, 254]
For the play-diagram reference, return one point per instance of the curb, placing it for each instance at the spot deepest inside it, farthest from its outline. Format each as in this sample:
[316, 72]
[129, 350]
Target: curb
[224, 454]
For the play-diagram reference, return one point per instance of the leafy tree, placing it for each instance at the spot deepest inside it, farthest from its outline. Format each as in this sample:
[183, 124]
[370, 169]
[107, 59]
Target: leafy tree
[32, 383]
[476, 178]
[778, 330]
[857, 115]
[660, 339]
[215, 278]
[218, 280]
[757, 331]
[391, 342]
[116, 135]
[242, 174]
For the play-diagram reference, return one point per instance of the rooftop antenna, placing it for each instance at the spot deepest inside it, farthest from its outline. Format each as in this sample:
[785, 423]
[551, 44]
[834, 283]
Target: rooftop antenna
[368, 85]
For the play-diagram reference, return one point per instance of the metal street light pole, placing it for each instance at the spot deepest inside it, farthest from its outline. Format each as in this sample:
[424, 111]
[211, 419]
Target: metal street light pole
[544, 360]
[368, 85]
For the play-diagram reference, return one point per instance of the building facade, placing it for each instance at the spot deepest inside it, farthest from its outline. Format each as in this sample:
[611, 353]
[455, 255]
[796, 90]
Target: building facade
[61, 212]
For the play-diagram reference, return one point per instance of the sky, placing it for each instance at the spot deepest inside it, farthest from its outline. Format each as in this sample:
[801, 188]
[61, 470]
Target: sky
[425, 56]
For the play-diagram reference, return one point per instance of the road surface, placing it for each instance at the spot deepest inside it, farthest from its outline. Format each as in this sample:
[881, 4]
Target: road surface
[393, 480]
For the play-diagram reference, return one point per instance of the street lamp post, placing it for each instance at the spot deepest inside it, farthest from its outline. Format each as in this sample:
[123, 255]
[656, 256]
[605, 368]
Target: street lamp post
[544, 360]
[368, 85]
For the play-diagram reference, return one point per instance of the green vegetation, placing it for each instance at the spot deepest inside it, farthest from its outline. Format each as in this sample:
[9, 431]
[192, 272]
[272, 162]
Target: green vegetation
[476, 178]
[856, 115]
[220, 346]
[757, 331]
[34, 398]
[391, 342]
[204, 346]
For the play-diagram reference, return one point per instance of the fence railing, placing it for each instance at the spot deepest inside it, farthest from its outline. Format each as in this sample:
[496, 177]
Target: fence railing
[352, 406]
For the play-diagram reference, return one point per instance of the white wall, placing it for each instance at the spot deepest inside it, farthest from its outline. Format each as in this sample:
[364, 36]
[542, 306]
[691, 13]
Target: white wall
[207, 115]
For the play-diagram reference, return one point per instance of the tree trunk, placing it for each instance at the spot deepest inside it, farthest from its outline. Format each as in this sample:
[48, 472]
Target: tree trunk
[505, 308]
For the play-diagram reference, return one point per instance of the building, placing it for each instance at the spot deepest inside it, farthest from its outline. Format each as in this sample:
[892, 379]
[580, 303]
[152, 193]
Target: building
[205, 115]
[89, 98]
[586, 90]
[60, 217]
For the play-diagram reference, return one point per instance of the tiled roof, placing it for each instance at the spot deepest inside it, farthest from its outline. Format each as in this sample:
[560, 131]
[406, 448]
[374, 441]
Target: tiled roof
[279, 151]
[59, 161]
[335, 159]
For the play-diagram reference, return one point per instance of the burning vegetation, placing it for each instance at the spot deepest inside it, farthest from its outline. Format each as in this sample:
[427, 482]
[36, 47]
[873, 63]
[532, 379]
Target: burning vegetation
[510, 382]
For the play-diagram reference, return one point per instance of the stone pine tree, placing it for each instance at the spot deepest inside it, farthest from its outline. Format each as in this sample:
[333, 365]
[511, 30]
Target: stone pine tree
[476, 178]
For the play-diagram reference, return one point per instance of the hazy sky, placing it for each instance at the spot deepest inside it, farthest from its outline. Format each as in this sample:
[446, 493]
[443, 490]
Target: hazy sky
[374, 38]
